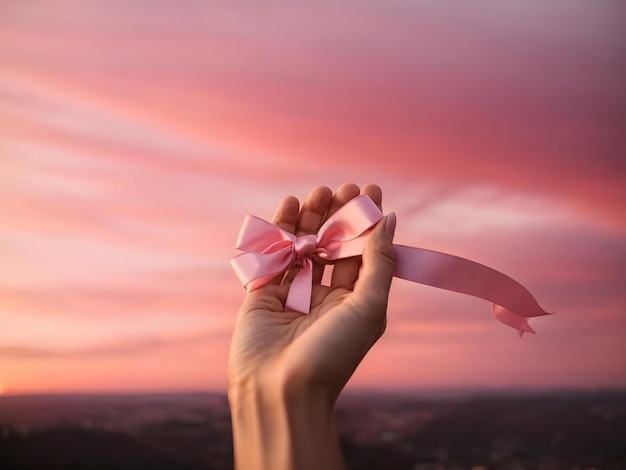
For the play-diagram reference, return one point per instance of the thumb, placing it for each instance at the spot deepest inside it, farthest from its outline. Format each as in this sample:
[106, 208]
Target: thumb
[379, 264]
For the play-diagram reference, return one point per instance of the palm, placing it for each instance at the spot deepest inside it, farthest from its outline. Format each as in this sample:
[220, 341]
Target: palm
[268, 337]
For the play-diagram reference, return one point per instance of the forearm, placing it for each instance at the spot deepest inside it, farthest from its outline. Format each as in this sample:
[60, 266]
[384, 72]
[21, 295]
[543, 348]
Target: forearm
[278, 429]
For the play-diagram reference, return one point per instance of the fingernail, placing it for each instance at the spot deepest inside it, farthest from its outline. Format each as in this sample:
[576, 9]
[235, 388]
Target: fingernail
[390, 223]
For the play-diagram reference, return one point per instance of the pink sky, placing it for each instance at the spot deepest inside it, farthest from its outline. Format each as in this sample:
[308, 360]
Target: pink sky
[134, 136]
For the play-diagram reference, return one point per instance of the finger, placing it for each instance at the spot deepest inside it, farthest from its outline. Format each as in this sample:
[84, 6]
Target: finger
[345, 193]
[346, 271]
[375, 194]
[286, 217]
[371, 290]
[313, 210]
[311, 217]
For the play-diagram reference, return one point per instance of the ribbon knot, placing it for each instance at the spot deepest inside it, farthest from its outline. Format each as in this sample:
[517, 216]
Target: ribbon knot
[304, 247]
[270, 251]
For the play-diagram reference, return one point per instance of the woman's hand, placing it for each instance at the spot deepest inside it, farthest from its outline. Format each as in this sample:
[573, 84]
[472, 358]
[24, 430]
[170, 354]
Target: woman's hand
[286, 369]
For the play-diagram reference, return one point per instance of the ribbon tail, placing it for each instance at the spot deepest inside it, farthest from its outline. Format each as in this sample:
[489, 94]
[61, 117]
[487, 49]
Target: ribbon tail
[299, 295]
[513, 303]
[512, 319]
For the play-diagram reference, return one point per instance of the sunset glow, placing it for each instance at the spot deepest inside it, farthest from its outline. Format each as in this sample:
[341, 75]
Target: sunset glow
[135, 136]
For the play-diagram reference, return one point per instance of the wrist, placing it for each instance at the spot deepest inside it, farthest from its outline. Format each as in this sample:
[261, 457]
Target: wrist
[259, 426]
[281, 426]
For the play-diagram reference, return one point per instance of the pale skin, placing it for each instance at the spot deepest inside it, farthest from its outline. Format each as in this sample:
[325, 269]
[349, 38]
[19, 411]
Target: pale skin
[286, 369]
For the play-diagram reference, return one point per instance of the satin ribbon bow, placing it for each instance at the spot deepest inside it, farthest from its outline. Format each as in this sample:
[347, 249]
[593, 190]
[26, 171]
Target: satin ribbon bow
[269, 251]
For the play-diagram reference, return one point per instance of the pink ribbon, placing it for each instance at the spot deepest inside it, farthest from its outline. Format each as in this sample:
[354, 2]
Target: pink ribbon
[269, 251]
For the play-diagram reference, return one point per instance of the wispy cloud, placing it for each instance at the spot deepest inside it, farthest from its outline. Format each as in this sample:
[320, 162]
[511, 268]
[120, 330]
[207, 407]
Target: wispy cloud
[112, 349]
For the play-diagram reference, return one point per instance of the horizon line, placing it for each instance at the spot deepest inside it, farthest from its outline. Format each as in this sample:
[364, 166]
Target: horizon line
[425, 391]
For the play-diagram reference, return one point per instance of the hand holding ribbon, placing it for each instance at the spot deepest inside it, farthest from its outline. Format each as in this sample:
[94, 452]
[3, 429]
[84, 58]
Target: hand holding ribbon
[270, 251]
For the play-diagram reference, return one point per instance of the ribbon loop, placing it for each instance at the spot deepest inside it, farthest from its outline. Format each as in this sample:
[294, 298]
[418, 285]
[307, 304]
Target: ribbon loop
[269, 251]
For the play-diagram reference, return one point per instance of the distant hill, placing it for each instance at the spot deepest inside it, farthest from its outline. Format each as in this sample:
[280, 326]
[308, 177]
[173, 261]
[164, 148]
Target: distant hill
[435, 430]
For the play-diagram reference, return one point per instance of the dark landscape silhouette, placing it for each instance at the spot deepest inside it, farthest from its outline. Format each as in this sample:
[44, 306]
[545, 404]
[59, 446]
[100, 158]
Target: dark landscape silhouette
[434, 431]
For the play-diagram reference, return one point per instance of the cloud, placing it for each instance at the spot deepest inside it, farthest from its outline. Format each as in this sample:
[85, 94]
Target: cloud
[122, 348]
